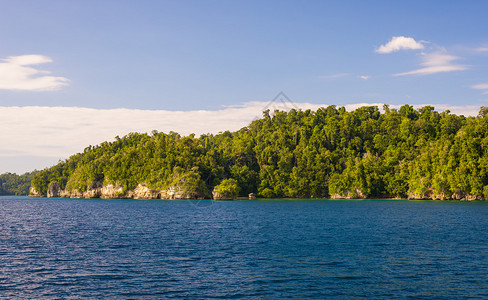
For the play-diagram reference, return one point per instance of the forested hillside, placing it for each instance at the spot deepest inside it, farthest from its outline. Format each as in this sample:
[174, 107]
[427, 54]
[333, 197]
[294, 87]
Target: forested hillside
[325, 153]
[13, 184]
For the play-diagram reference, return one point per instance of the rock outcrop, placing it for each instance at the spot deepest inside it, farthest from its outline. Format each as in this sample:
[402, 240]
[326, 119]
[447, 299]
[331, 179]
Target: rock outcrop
[465, 197]
[74, 194]
[218, 196]
[185, 191]
[110, 191]
[442, 196]
[178, 192]
[53, 190]
[228, 189]
[355, 194]
[34, 193]
[143, 192]
[94, 191]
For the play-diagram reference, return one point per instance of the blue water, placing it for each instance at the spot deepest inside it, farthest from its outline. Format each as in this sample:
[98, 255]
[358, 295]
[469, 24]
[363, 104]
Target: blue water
[66, 248]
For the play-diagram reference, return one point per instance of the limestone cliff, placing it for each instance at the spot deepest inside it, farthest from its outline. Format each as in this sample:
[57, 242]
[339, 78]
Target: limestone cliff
[143, 192]
[53, 190]
[218, 196]
[442, 196]
[34, 193]
[110, 191]
[355, 194]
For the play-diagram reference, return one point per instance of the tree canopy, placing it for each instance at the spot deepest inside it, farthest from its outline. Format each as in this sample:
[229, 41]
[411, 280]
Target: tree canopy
[13, 184]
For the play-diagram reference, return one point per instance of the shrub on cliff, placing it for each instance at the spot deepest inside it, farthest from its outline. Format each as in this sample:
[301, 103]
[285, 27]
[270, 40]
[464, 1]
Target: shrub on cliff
[228, 189]
[188, 184]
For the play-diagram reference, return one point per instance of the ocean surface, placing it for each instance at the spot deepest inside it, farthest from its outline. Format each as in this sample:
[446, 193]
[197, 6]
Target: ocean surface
[130, 249]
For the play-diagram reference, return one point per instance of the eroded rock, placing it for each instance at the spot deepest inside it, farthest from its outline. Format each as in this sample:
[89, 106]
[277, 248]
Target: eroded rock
[110, 191]
[143, 192]
[53, 190]
[34, 193]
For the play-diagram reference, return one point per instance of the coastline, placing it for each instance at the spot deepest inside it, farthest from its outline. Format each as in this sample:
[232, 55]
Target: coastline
[241, 199]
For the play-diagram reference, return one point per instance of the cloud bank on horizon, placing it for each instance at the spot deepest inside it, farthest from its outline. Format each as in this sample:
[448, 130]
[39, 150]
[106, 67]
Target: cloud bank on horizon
[59, 132]
[17, 73]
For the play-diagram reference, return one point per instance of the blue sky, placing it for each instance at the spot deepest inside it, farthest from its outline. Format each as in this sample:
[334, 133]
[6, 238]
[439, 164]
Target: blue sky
[207, 55]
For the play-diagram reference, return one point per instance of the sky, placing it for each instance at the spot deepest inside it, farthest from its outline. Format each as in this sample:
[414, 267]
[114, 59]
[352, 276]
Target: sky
[80, 72]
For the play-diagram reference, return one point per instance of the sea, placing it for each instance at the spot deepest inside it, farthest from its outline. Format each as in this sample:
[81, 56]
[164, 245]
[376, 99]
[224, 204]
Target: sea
[245, 249]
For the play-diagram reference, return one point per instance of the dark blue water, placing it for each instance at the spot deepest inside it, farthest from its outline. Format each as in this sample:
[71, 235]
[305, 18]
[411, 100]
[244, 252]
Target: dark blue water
[64, 248]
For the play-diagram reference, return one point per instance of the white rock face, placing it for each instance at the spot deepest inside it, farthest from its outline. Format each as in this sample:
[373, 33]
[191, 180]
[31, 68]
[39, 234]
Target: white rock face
[441, 196]
[143, 192]
[34, 193]
[356, 194]
[53, 190]
[217, 196]
[111, 191]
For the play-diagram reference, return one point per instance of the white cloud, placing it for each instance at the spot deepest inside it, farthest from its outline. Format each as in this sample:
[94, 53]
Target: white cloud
[436, 63]
[31, 59]
[17, 73]
[365, 77]
[482, 49]
[481, 86]
[398, 43]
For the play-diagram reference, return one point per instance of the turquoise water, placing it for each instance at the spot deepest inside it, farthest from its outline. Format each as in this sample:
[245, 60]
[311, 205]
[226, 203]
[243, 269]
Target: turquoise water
[67, 248]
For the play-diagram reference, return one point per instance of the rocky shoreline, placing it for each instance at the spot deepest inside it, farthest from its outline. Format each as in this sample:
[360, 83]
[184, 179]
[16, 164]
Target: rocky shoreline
[111, 191]
[357, 194]
[142, 192]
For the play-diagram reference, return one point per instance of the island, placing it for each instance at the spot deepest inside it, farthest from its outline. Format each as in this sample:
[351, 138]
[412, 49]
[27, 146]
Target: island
[327, 153]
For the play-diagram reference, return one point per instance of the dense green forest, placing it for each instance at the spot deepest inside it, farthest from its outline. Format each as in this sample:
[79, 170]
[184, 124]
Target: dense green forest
[325, 153]
[13, 184]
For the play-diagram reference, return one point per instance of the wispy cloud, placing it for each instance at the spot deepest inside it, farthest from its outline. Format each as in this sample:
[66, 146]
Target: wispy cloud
[17, 73]
[436, 63]
[482, 49]
[334, 76]
[432, 62]
[398, 43]
[343, 75]
[481, 86]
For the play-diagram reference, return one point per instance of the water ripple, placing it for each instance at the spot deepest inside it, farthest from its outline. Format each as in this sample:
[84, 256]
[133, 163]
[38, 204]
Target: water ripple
[65, 248]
